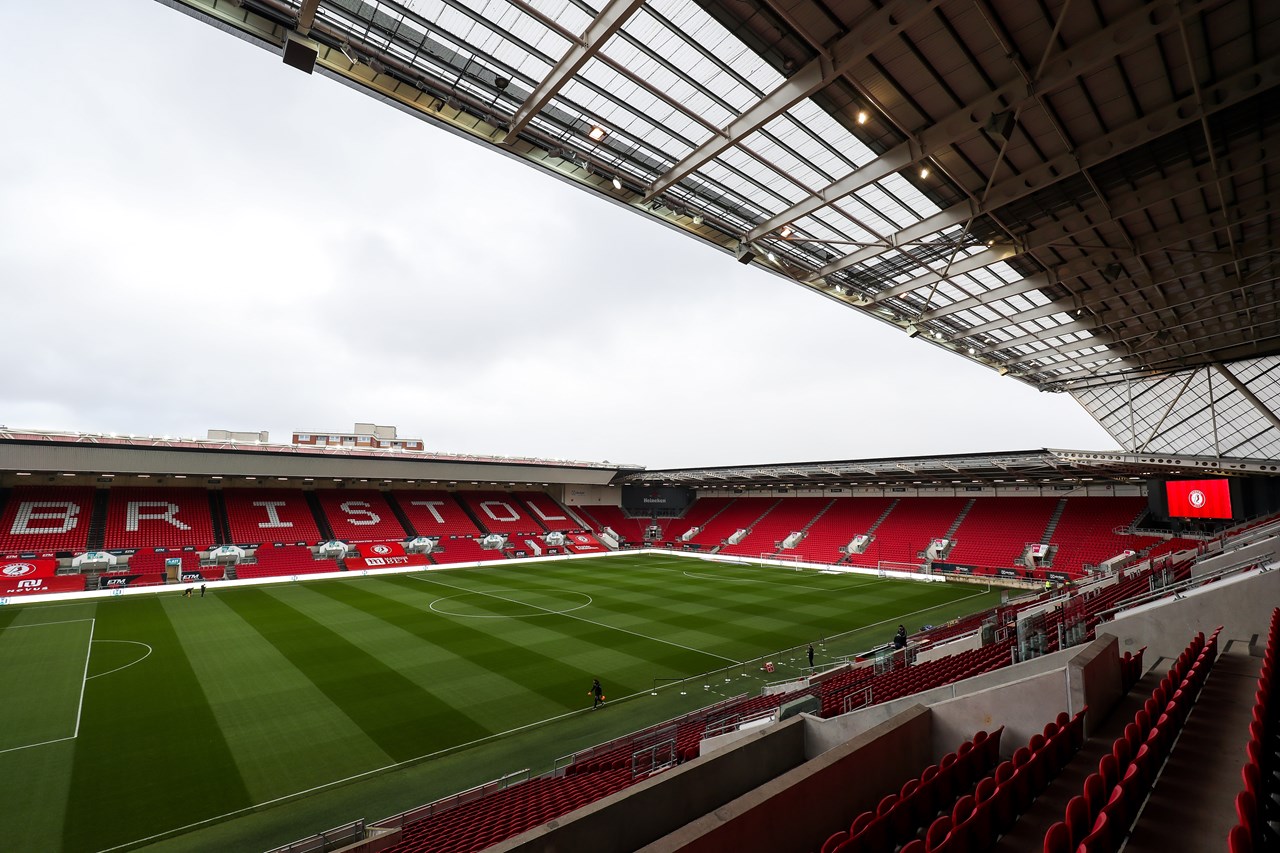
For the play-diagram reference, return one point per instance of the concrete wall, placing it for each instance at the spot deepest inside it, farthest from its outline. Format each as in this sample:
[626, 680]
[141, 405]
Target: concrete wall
[963, 644]
[1022, 707]
[795, 812]
[646, 812]
[1241, 604]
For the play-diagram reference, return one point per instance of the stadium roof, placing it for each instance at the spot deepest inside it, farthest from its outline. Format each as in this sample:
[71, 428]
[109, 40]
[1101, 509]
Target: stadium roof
[1032, 467]
[1082, 196]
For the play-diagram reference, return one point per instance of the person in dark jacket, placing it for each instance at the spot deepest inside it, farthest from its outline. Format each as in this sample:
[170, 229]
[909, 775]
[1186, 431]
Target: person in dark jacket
[811, 656]
[900, 638]
[597, 692]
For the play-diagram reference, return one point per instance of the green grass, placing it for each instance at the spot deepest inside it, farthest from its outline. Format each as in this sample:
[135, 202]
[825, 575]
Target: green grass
[259, 715]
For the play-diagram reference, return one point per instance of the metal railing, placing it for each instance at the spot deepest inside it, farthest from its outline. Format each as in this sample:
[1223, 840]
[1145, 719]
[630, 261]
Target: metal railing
[1176, 589]
[451, 802]
[330, 839]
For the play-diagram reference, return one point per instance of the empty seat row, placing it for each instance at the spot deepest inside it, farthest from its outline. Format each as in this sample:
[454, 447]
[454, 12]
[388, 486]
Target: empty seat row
[898, 817]
[1258, 802]
[1098, 819]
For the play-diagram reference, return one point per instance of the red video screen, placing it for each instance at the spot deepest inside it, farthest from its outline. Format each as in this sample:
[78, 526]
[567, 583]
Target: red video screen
[1199, 498]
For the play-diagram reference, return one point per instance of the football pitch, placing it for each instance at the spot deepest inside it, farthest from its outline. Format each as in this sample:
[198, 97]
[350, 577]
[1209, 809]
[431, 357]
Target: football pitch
[258, 715]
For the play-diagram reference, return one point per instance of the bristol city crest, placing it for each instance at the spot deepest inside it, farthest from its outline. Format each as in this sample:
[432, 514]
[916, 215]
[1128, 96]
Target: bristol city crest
[381, 549]
[1196, 498]
[18, 570]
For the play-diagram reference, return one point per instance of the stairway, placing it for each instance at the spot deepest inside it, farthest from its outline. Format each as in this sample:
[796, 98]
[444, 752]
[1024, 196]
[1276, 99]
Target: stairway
[524, 507]
[955, 525]
[819, 515]
[883, 516]
[399, 513]
[1053, 522]
[218, 512]
[98, 521]
[475, 519]
[317, 512]
[4, 499]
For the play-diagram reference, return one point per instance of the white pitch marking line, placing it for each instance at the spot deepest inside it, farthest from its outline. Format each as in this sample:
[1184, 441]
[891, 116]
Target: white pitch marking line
[579, 618]
[432, 606]
[39, 624]
[93, 623]
[126, 666]
[41, 743]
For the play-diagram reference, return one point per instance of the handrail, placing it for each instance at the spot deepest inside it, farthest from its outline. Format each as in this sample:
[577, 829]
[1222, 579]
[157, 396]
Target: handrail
[1178, 587]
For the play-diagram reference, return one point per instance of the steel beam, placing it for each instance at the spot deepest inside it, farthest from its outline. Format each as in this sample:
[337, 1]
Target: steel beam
[1089, 54]
[863, 39]
[1262, 407]
[610, 19]
[307, 15]
[1126, 138]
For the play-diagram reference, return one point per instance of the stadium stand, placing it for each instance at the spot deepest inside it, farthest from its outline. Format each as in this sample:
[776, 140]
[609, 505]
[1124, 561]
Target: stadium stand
[501, 512]
[995, 531]
[847, 518]
[909, 528]
[1086, 535]
[739, 514]
[46, 518]
[435, 513]
[698, 515]
[630, 529]
[464, 549]
[157, 517]
[277, 560]
[269, 515]
[782, 520]
[360, 515]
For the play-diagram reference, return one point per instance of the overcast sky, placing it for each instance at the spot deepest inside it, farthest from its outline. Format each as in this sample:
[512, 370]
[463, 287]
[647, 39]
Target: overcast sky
[194, 235]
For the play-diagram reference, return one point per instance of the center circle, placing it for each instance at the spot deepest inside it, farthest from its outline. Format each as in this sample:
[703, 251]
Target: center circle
[511, 603]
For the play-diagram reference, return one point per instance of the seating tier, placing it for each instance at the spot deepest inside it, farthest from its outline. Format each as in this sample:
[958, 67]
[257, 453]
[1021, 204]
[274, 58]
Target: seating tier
[158, 517]
[269, 515]
[40, 519]
[360, 515]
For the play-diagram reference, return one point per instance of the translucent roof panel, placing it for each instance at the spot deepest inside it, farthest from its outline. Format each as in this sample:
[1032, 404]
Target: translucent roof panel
[1200, 411]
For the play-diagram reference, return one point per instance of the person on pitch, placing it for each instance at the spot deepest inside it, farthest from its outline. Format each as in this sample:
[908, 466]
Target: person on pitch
[597, 693]
[811, 656]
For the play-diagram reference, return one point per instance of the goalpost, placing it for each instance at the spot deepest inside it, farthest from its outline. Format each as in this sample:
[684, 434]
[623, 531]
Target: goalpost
[884, 566]
[794, 559]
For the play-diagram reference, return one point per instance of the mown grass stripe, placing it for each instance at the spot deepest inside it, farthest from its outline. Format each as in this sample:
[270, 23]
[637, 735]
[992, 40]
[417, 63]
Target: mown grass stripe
[630, 661]
[402, 718]
[284, 738]
[151, 716]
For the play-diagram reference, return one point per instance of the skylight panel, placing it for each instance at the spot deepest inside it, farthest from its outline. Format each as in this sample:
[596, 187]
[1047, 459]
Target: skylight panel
[921, 206]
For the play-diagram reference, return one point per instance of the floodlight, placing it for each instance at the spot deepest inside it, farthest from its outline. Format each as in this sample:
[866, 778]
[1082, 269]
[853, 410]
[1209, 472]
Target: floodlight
[351, 55]
[697, 219]
[597, 132]
[863, 116]
[786, 232]
[924, 172]
[617, 184]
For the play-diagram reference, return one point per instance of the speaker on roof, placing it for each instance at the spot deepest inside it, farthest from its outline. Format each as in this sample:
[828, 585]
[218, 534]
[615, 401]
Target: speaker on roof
[300, 52]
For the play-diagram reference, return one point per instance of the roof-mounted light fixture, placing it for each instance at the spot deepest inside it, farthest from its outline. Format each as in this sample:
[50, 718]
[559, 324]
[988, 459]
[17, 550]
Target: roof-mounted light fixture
[617, 184]
[786, 232]
[863, 116]
[924, 171]
[597, 132]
